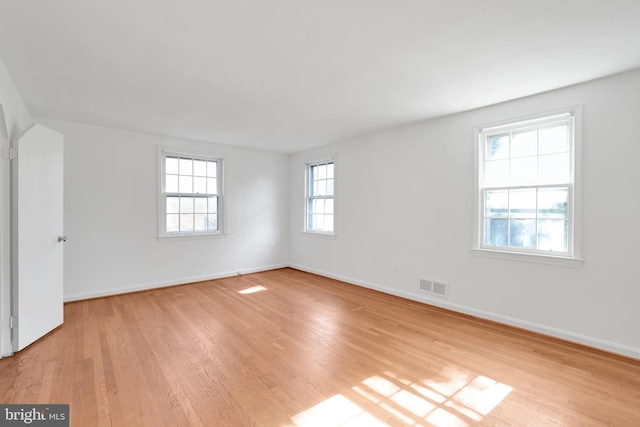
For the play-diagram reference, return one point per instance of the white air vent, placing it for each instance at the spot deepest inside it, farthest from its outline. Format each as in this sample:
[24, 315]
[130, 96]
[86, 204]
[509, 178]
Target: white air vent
[440, 288]
[434, 287]
[426, 285]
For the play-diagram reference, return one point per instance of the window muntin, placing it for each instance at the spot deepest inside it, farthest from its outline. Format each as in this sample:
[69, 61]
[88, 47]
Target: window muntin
[532, 218]
[526, 185]
[320, 197]
[191, 195]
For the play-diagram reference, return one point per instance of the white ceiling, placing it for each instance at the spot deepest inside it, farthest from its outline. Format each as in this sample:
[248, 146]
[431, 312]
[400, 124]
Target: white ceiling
[287, 75]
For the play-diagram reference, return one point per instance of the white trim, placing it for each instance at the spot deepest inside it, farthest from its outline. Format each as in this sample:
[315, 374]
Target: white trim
[530, 119]
[537, 258]
[573, 255]
[192, 236]
[6, 346]
[165, 284]
[307, 167]
[578, 182]
[574, 337]
[222, 202]
[319, 234]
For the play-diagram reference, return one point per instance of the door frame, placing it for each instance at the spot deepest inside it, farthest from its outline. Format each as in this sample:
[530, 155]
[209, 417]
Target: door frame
[6, 341]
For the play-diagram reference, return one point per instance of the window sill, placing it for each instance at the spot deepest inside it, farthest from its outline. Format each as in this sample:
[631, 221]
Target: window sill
[326, 235]
[524, 257]
[200, 236]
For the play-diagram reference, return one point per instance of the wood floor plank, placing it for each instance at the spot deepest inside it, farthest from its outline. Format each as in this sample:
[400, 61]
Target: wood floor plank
[288, 348]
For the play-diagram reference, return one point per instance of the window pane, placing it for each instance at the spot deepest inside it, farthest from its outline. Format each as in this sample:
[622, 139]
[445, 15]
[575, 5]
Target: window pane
[212, 222]
[497, 147]
[200, 185]
[524, 168]
[171, 165]
[525, 184]
[330, 187]
[186, 205]
[186, 167]
[322, 188]
[212, 169]
[200, 205]
[555, 167]
[322, 172]
[552, 234]
[522, 203]
[171, 184]
[186, 222]
[173, 223]
[328, 206]
[199, 168]
[524, 143]
[319, 199]
[496, 172]
[213, 205]
[496, 204]
[185, 184]
[496, 232]
[328, 223]
[190, 176]
[552, 203]
[200, 222]
[173, 205]
[522, 233]
[212, 186]
[554, 139]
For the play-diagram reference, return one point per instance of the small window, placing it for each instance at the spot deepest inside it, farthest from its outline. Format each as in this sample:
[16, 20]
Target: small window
[527, 186]
[319, 212]
[191, 195]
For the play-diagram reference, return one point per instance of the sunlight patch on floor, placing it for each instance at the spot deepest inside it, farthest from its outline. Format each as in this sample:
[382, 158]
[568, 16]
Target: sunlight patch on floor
[482, 394]
[252, 290]
[335, 411]
[454, 399]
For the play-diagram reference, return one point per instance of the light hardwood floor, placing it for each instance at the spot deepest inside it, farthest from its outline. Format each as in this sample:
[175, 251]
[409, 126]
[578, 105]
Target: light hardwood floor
[287, 348]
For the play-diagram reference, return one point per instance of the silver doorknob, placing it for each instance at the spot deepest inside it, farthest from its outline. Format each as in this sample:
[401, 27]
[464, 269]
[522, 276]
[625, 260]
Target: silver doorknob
[62, 239]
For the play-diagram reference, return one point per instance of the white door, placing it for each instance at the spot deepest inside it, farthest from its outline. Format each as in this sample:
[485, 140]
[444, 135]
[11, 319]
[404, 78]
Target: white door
[38, 235]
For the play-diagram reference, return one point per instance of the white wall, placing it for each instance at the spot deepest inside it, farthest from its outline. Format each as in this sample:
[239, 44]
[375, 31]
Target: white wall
[111, 186]
[405, 198]
[18, 120]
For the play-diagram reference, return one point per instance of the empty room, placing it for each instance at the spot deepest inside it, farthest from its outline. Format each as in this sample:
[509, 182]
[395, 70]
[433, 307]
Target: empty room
[320, 213]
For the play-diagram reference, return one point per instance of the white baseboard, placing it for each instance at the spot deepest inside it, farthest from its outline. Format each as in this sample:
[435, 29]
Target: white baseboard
[507, 320]
[259, 269]
[164, 284]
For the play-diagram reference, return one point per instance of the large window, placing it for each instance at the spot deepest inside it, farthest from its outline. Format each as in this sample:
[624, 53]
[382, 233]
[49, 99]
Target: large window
[527, 186]
[319, 215]
[191, 195]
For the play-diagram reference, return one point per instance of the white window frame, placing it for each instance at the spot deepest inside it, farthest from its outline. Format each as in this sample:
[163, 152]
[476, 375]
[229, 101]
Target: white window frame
[573, 256]
[163, 153]
[308, 197]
